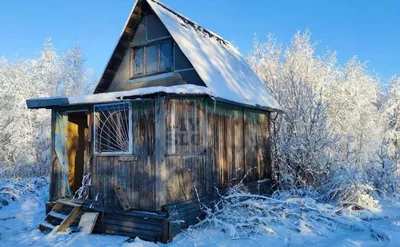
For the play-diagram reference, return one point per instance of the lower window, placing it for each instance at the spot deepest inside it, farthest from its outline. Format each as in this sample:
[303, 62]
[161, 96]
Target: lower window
[113, 128]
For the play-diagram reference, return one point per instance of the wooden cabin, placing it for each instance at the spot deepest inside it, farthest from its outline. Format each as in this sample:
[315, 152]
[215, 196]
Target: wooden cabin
[177, 114]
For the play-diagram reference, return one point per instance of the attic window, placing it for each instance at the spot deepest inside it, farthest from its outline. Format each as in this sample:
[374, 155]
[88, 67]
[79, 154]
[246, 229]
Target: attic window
[113, 128]
[152, 59]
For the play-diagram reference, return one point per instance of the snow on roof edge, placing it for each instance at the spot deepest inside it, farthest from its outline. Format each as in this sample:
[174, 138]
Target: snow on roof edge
[219, 64]
[47, 102]
[192, 21]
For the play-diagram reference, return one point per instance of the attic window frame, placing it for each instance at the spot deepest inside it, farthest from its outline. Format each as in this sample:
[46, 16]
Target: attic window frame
[157, 42]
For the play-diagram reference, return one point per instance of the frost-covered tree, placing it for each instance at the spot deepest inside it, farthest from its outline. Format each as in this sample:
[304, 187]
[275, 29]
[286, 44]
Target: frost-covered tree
[354, 113]
[25, 133]
[392, 118]
[297, 79]
[333, 126]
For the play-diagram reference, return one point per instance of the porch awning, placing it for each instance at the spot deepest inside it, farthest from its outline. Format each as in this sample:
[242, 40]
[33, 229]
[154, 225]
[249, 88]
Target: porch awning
[51, 102]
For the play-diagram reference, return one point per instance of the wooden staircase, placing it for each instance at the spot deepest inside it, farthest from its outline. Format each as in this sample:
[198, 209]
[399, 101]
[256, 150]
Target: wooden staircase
[63, 214]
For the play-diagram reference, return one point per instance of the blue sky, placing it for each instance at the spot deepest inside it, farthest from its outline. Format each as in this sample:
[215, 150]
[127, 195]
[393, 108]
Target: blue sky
[368, 29]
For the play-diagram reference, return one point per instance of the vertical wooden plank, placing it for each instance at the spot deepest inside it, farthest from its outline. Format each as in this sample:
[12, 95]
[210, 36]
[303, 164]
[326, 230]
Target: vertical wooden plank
[160, 147]
[134, 184]
[224, 147]
[54, 183]
[203, 140]
[228, 145]
[266, 151]
[151, 155]
[91, 159]
[209, 143]
[146, 186]
[238, 145]
[250, 155]
[95, 177]
[106, 180]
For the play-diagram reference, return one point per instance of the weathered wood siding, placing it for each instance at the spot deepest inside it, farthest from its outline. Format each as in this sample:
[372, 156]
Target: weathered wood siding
[136, 172]
[238, 144]
[182, 148]
[145, 225]
[211, 144]
[185, 155]
[55, 171]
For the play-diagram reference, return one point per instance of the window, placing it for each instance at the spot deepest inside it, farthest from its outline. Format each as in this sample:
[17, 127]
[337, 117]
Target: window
[165, 56]
[113, 128]
[152, 59]
[138, 60]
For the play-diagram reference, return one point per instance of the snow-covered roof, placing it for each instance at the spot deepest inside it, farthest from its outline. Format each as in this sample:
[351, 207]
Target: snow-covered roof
[223, 70]
[48, 102]
[219, 64]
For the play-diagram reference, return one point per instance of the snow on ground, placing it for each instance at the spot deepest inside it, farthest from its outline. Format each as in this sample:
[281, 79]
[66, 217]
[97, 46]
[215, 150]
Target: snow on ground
[19, 220]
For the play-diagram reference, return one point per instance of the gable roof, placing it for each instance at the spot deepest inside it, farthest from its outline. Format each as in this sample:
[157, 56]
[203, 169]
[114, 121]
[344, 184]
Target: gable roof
[219, 64]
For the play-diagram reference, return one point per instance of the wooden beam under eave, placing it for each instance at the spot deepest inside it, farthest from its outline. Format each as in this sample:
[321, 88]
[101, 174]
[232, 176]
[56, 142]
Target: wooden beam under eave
[136, 17]
[113, 66]
[129, 31]
[117, 57]
[125, 43]
[110, 72]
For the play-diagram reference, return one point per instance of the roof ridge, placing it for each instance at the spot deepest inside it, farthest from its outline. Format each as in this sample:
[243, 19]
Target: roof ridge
[194, 24]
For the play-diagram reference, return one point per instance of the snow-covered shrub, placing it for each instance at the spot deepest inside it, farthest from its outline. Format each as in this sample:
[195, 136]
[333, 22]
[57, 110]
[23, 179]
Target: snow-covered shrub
[385, 177]
[23, 171]
[242, 215]
[349, 187]
[15, 190]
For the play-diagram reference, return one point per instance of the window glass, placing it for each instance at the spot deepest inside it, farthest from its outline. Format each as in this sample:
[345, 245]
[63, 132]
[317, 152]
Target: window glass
[151, 59]
[138, 61]
[166, 56]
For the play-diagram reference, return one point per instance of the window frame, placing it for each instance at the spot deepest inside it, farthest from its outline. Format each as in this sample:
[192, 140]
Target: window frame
[130, 129]
[158, 43]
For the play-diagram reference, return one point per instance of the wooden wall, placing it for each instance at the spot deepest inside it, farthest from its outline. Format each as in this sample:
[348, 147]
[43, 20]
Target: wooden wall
[182, 148]
[211, 144]
[134, 173]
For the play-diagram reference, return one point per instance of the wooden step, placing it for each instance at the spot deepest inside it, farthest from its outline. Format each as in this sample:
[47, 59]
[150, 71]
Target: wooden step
[69, 220]
[69, 203]
[47, 225]
[57, 215]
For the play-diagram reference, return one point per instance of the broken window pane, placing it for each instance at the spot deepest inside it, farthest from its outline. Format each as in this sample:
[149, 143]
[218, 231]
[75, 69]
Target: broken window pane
[166, 56]
[138, 61]
[152, 59]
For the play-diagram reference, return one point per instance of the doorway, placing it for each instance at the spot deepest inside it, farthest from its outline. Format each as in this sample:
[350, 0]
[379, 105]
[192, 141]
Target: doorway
[77, 140]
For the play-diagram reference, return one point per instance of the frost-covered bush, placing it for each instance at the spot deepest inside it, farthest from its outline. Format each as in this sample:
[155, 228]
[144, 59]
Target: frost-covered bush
[23, 171]
[15, 190]
[336, 121]
[349, 187]
[385, 177]
[243, 215]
